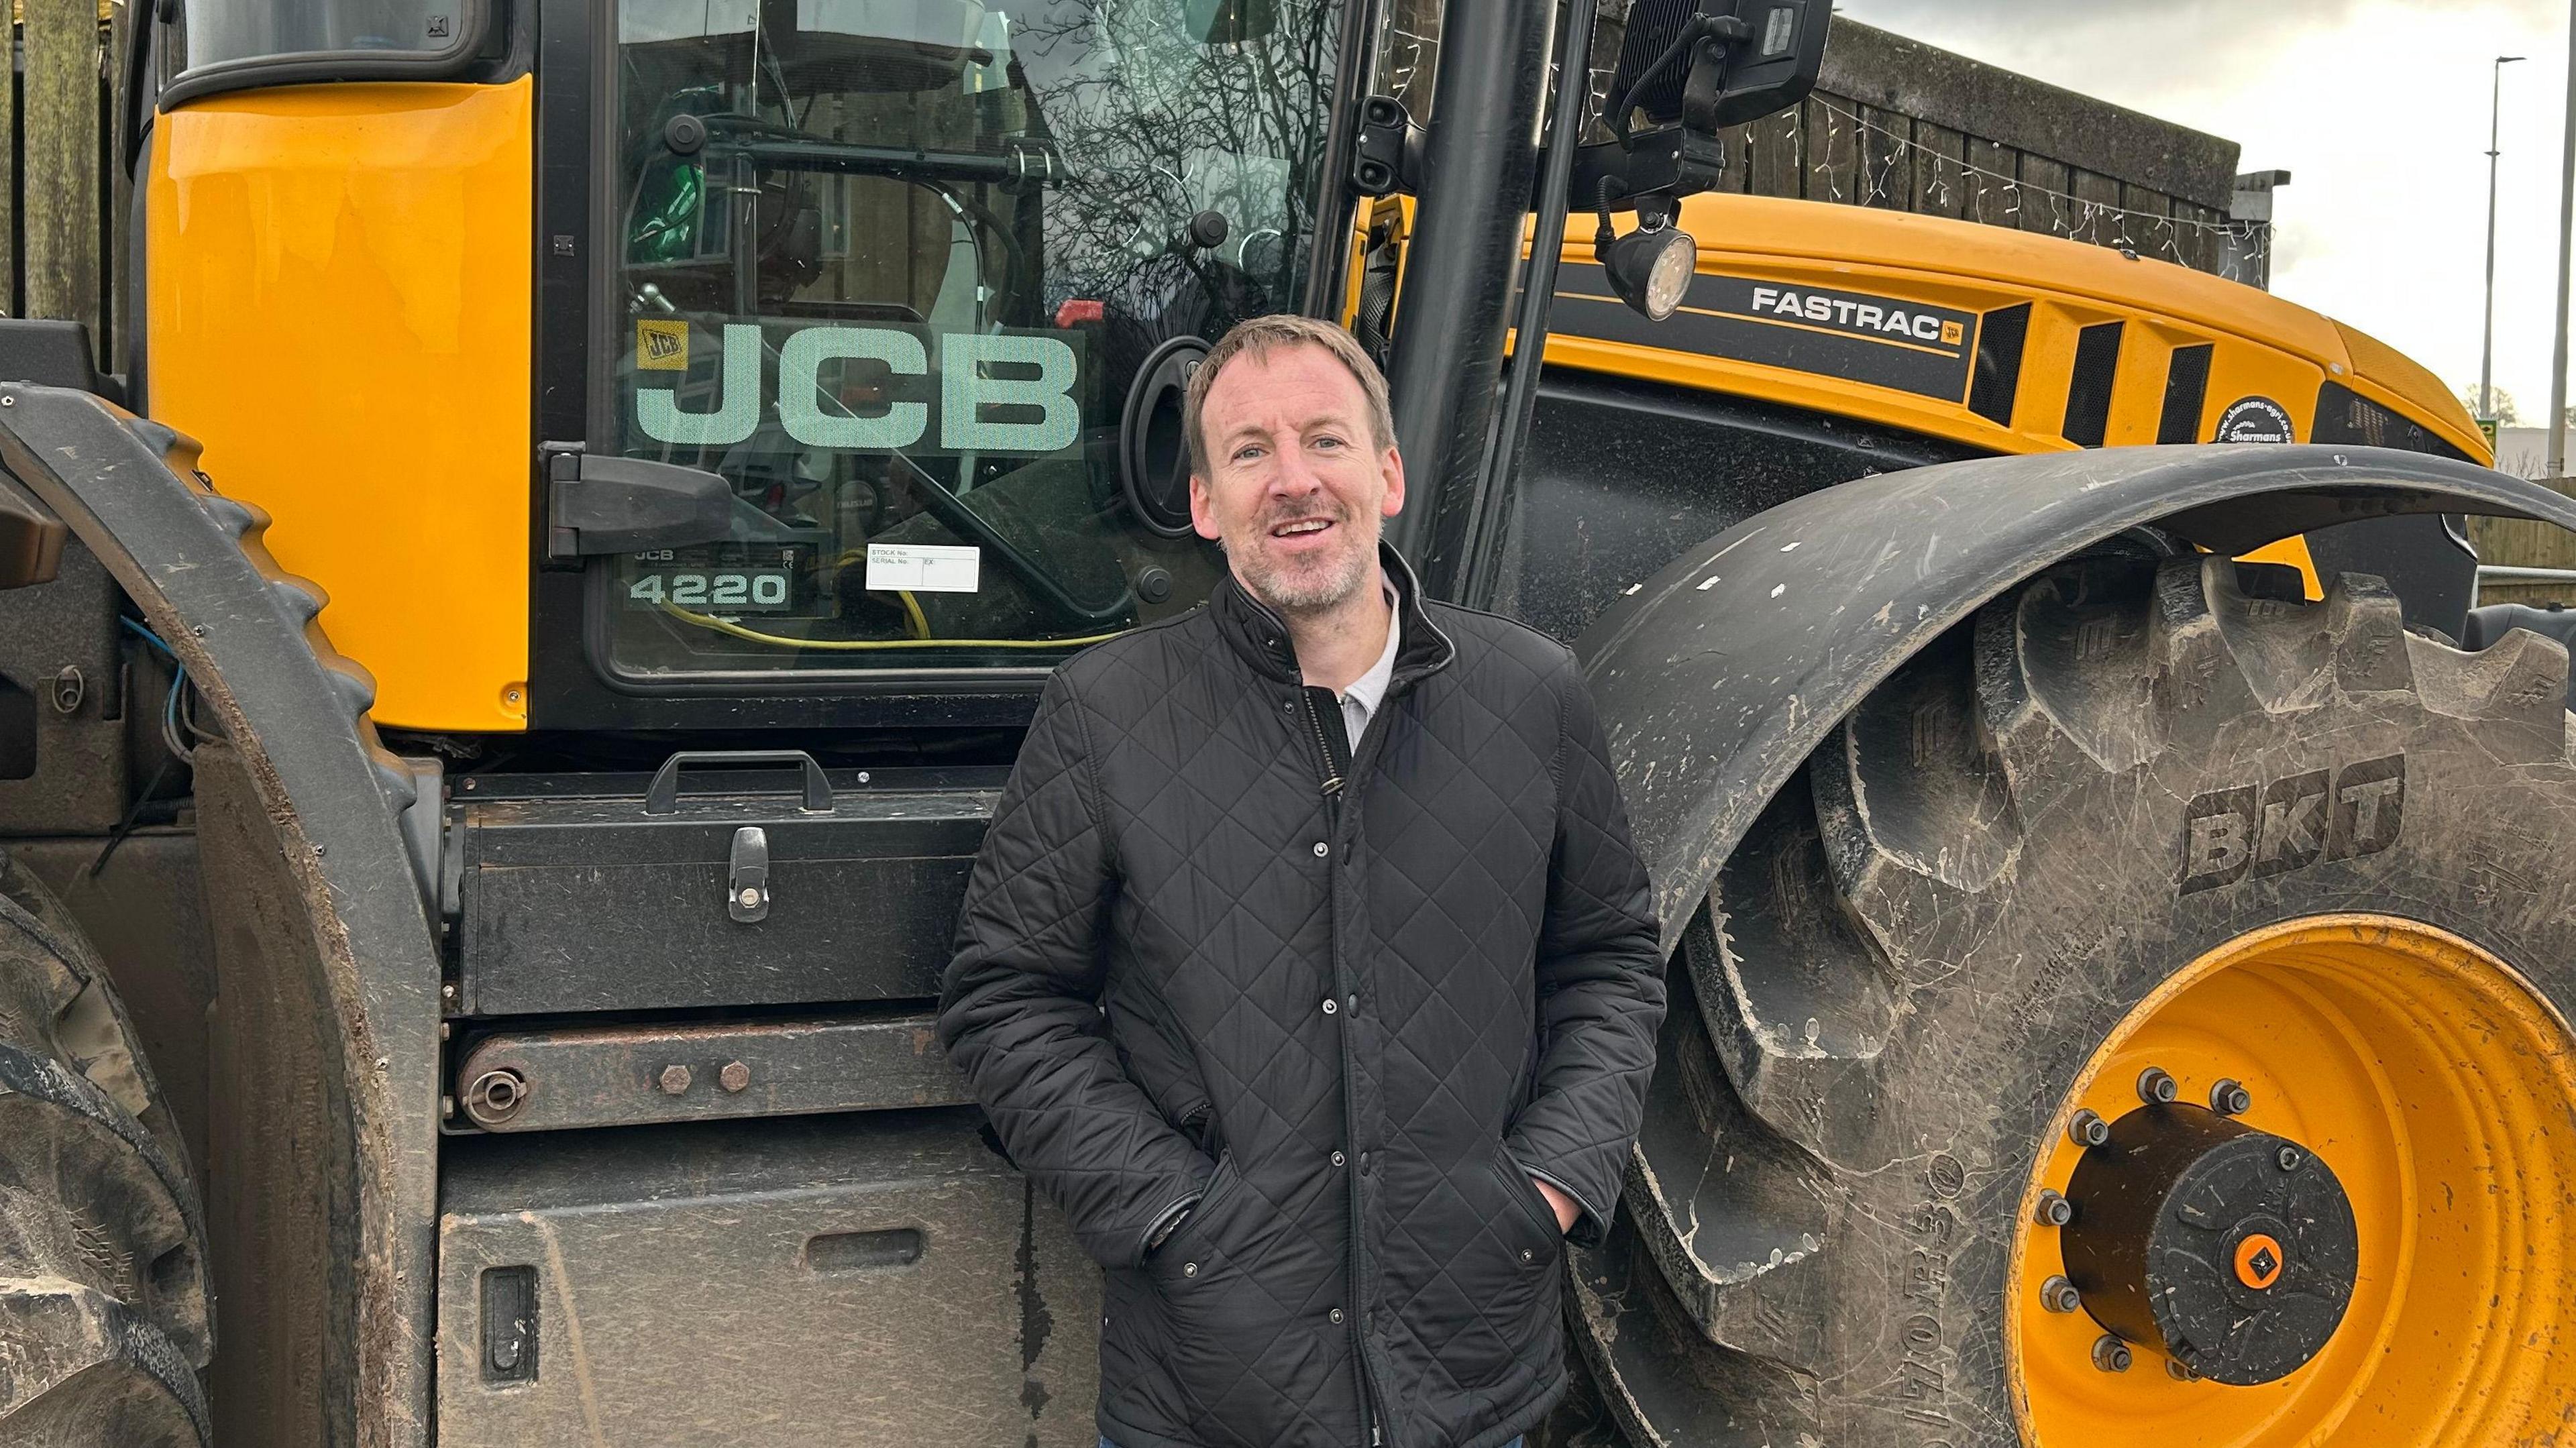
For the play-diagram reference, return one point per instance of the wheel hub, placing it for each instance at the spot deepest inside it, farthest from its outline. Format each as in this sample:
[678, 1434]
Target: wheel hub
[2230, 1250]
[2432, 1079]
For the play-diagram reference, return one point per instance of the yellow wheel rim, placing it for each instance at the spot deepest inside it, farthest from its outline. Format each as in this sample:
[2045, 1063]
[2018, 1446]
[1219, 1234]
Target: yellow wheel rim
[2441, 1090]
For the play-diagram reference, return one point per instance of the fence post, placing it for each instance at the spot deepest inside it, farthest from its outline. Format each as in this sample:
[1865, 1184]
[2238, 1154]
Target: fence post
[60, 95]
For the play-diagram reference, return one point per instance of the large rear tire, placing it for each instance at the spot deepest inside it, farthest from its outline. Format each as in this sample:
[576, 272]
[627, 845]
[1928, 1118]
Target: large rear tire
[2141, 814]
[104, 1315]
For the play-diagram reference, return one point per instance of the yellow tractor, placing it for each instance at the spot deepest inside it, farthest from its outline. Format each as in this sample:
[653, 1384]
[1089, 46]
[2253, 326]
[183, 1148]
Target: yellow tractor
[501, 697]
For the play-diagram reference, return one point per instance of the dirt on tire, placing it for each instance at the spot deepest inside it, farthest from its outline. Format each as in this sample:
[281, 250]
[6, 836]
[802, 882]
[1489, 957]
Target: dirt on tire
[105, 1321]
[1881, 1006]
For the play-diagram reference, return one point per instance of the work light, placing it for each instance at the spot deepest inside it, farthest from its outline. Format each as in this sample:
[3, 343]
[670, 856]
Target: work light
[1651, 269]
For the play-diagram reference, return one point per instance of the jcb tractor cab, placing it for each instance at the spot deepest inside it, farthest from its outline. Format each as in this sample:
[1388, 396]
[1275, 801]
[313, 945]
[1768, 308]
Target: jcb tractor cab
[498, 715]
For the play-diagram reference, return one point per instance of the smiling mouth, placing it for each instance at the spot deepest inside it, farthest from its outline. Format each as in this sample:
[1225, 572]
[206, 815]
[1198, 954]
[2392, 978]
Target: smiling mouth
[1301, 528]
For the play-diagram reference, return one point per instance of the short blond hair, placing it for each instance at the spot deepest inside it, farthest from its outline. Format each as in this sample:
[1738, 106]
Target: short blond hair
[1261, 336]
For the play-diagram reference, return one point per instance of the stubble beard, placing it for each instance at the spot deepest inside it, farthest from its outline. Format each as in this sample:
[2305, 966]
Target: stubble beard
[1317, 586]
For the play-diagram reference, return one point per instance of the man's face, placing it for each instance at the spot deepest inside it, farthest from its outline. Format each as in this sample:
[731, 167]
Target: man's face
[1295, 486]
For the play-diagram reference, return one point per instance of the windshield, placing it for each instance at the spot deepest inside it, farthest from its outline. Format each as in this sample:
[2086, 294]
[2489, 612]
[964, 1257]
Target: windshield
[221, 32]
[893, 268]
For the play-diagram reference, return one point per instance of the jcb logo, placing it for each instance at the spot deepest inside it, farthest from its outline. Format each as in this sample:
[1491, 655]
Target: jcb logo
[996, 392]
[2262, 830]
[661, 344]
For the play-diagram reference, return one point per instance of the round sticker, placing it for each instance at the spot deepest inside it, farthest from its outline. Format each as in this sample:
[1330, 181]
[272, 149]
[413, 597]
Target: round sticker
[2256, 419]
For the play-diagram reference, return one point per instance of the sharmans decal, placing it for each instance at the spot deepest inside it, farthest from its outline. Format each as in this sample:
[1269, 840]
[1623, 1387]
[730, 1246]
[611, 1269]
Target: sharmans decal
[2255, 419]
[869, 388]
[1854, 336]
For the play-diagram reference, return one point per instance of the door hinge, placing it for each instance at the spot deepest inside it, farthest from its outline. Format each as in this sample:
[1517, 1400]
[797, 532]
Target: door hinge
[600, 504]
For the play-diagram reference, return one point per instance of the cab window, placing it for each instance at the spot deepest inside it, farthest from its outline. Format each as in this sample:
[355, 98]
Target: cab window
[892, 270]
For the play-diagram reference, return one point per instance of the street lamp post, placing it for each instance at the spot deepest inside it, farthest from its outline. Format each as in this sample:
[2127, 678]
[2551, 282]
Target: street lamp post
[2486, 356]
[2566, 240]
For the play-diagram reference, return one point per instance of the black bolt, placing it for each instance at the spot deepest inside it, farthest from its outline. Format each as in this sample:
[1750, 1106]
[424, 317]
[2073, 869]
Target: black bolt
[2290, 1158]
[2054, 1210]
[2157, 1087]
[2059, 1295]
[2088, 1129]
[2230, 1098]
[2111, 1355]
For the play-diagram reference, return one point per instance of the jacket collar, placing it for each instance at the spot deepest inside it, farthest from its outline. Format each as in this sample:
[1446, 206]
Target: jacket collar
[1260, 639]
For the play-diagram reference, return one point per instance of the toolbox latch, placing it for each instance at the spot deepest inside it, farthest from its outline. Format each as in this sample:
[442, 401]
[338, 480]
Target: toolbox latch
[747, 880]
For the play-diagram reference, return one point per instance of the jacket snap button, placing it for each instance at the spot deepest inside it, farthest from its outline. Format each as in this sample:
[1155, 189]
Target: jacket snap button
[1189, 1269]
[1527, 1254]
[1337, 1314]
[1337, 1158]
[1322, 849]
[1330, 1005]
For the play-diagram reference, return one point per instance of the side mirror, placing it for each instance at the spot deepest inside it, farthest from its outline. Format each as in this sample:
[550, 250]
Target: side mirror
[1688, 69]
[1700, 66]
[1770, 61]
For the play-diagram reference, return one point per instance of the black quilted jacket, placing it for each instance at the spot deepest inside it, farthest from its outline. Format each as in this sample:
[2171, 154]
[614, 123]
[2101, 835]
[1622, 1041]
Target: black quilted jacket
[1347, 1003]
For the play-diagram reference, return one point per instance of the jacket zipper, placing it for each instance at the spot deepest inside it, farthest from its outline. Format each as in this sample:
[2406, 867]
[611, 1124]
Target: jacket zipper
[1323, 743]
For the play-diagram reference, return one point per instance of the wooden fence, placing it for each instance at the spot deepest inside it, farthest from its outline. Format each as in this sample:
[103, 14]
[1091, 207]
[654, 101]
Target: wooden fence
[2518, 543]
[1895, 124]
[1898, 124]
[65, 190]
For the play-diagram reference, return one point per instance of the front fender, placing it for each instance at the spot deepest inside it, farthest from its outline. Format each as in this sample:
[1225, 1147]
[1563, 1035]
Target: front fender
[1719, 675]
[324, 1056]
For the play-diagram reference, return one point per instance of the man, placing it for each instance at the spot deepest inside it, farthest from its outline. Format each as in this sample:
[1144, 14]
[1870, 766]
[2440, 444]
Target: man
[1308, 966]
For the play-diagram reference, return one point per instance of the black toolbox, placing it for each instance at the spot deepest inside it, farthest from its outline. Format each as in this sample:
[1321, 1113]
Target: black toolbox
[767, 882]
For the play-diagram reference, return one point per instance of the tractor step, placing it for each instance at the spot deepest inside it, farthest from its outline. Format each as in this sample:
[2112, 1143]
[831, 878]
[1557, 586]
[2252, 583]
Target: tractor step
[761, 1284]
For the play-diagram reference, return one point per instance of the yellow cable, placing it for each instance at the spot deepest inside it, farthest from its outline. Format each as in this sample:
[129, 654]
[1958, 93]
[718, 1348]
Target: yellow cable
[722, 626]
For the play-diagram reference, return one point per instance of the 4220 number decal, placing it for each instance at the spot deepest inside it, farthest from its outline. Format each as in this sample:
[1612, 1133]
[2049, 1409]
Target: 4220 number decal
[725, 590]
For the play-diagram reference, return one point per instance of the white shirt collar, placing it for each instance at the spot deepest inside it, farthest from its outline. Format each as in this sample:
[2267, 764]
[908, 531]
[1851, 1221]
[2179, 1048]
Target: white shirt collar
[1361, 699]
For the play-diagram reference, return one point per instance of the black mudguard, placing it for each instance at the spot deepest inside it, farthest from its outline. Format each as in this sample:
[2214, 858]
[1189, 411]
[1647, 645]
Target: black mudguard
[1719, 675]
[325, 1071]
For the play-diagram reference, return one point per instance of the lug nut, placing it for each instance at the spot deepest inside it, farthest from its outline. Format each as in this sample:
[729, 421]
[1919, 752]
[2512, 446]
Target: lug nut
[2290, 1158]
[2228, 1097]
[2111, 1355]
[2157, 1087]
[2059, 1295]
[2054, 1210]
[675, 1080]
[2088, 1129]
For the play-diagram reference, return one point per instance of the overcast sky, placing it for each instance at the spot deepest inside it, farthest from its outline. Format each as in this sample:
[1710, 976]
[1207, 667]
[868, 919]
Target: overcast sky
[2378, 108]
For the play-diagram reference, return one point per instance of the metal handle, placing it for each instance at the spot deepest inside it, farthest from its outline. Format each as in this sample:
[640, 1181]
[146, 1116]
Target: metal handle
[662, 796]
